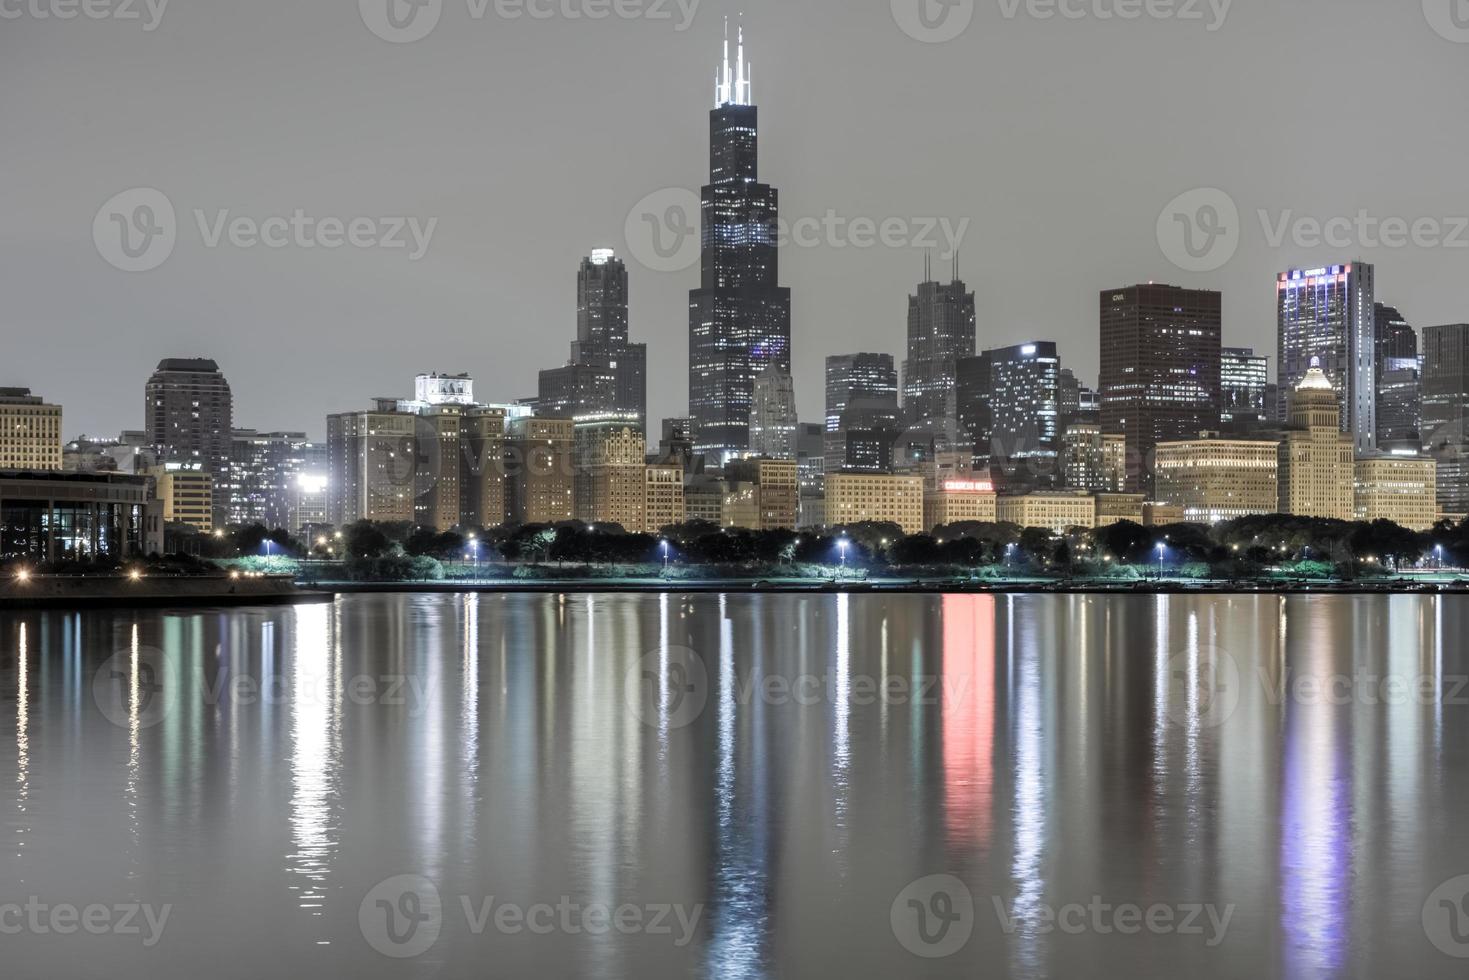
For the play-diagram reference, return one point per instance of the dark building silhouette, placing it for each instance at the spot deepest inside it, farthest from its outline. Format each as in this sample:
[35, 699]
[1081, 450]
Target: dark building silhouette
[607, 374]
[941, 332]
[189, 421]
[1160, 370]
[1399, 381]
[861, 395]
[739, 317]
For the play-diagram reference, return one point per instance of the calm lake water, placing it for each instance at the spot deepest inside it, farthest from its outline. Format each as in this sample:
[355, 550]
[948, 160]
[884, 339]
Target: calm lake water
[741, 786]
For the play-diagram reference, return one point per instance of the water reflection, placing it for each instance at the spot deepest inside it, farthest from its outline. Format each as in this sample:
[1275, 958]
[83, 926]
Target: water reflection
[1044, 749]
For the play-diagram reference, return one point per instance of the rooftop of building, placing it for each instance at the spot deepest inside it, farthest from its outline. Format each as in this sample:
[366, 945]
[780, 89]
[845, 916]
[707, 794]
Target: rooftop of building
[188, 365]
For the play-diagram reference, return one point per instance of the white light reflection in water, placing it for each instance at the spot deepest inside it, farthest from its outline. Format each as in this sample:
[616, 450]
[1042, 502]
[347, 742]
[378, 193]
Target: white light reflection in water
[842, 749]
[315, 753]
[738, 917]
[1315, 833]
[135, 731]
[1027, 867]
[469, 714]
[22, 736]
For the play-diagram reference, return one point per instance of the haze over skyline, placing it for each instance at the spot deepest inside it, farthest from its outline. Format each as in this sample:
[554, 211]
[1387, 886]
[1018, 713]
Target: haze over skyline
[1059, 140]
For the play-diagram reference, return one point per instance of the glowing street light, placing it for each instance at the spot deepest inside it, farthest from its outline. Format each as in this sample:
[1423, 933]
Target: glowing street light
[1162, 548]
[664, 546]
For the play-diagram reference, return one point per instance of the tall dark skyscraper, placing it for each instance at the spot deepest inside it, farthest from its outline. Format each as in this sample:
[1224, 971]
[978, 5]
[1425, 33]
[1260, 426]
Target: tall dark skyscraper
[1023, 400]
[941, 332]
[607, 374]
[1161, 355]
[739, 317]
[189, 420]
[1244, 379]
[861, 411]
[1399, 381]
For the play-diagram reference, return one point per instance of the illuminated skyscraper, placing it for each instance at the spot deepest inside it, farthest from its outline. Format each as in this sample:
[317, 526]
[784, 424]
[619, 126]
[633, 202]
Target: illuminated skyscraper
[773, 415]
[1399, 381]
[1160, 370]
[739, 317]
[1244, 382]
[189, 414]
[861, 393]
[1023, 400]
[607, 374]
[1330, 314]
[941, 332]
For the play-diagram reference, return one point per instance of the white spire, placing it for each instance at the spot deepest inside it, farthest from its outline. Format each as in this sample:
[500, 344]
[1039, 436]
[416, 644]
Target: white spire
[733, 86]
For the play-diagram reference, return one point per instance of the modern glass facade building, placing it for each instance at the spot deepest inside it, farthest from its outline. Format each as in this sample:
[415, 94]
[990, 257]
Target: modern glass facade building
[740, 316]
[1244, 382]
[861, 395]
[1330, 315]
[71, 516]
[1024, 411]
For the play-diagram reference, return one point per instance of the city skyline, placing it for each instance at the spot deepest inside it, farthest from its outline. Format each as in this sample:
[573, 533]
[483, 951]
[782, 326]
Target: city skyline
[304, 333]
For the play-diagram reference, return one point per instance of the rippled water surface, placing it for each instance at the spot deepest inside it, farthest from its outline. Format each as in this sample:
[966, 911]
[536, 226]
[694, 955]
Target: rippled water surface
[741, 786]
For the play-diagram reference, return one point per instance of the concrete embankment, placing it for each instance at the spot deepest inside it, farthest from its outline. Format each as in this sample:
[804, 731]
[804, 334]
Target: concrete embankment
[83, 591]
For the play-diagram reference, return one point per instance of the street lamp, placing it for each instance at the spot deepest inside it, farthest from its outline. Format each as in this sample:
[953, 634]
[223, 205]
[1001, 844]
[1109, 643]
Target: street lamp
[843, 546]
[664, 546]
[1438, 550]
[1161, 549]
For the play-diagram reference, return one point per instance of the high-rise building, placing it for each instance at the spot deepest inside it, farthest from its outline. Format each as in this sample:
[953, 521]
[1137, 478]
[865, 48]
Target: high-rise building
[763, 494]
[1055, 511]
[264, 471]
[740, 316]
[1317, 459]
[607, 373]
[773, 415]
[1083, 462]
[857, 498]
[941, 331]
[972, 400]
[1397, 488]
[189, 418]
[811, 458]
[540, 458]
[1330, 314]
[1244, 383]
[610, 480]
[186, 495]
[1446, 385]
[663, 504]
[1215, 479]
[434, 461]
[862, 414]
[1024, 416]
[30, 431]
[1161, 354]
[1399, 381]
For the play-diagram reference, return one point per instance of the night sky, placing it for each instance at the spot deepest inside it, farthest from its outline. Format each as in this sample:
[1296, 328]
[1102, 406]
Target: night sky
[1061, 141]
